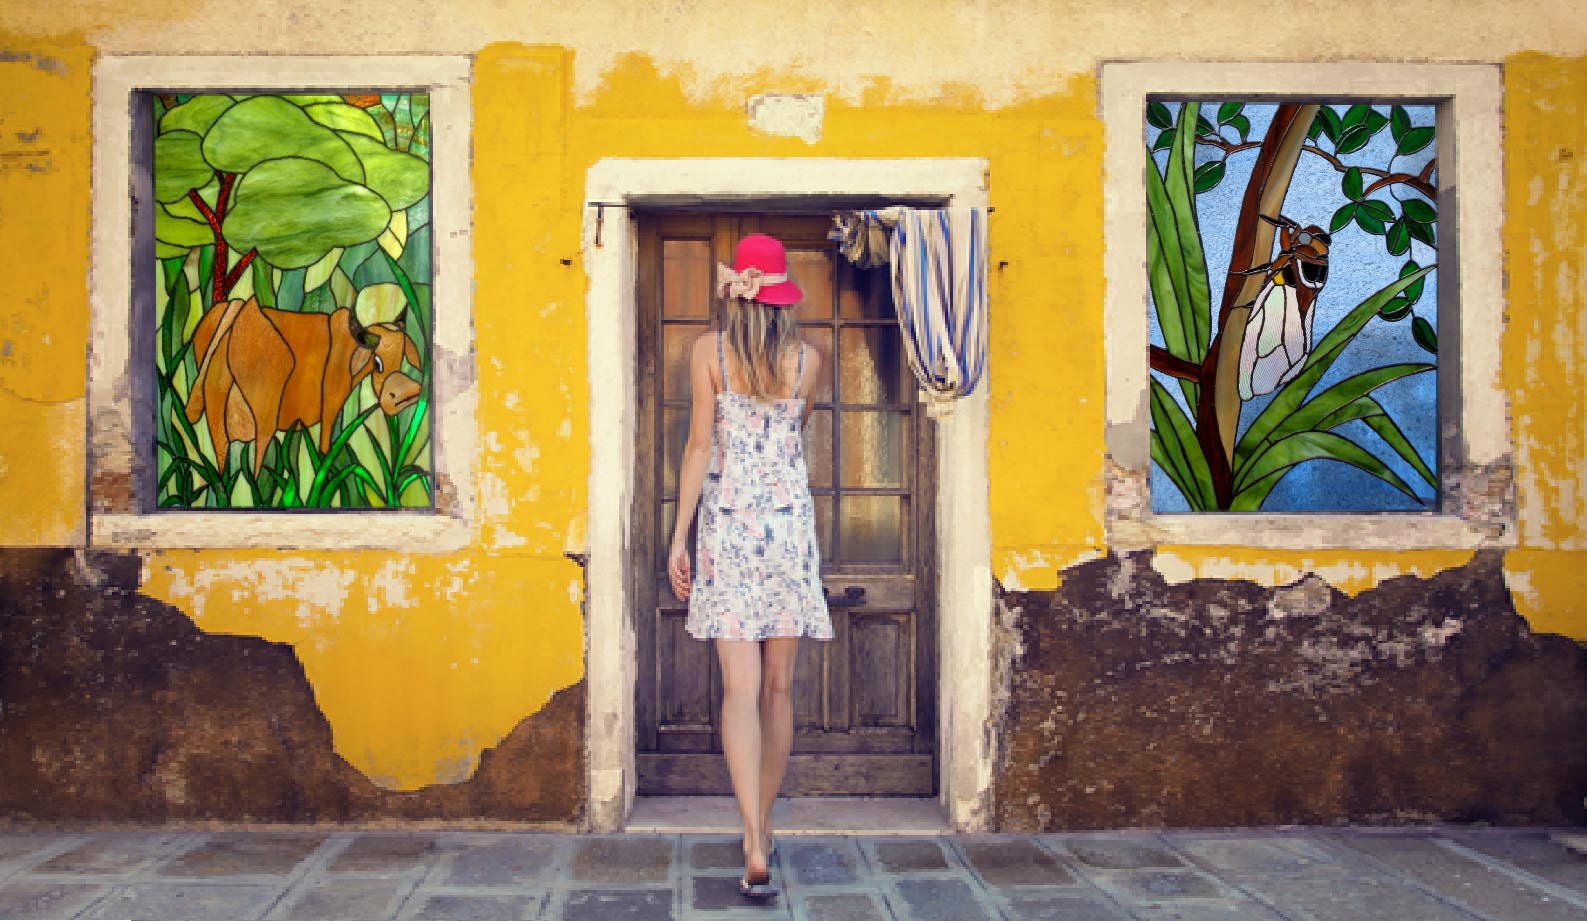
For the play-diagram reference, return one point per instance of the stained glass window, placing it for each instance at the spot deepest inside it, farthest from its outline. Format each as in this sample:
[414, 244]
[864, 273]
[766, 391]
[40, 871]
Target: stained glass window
[1292, 261]
[293, 311]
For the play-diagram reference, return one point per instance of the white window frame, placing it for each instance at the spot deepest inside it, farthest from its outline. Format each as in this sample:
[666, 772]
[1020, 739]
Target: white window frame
[1474, 452]
[113, 384]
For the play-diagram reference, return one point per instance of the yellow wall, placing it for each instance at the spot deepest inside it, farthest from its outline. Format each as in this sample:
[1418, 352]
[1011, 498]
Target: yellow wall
[419, 661]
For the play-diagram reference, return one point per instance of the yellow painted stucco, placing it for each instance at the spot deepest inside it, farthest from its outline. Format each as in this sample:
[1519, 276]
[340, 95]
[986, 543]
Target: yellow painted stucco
[420, 660]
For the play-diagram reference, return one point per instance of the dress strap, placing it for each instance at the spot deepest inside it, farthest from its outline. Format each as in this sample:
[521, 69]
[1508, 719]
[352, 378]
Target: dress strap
[799, 376]
[722, 363]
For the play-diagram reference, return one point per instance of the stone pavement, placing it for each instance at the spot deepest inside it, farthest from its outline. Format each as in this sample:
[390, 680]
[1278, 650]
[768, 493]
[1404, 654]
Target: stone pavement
[1444, 874]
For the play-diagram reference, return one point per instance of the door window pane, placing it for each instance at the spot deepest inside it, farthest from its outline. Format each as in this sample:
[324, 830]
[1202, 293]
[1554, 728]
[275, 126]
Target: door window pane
[872, 443]
[871, 528]
[864, 294]
[872, 366]
[675, 434]
[686, 278]
[812, 271]
[677, 340]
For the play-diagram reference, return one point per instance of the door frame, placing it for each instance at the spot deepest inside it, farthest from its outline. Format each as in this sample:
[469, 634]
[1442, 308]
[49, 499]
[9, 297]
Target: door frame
[963, 526]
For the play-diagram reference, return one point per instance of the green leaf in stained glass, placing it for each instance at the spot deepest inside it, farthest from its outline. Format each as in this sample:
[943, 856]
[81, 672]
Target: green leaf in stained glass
[294, 211]
[196, 115]
[1157, 115]
[1342, 217]
[1241, 124]
[1418, 210]
[1423, 232]
[176, 231]
[1399, 122]
[1208, 175]
[1369, 222]
[1414, 292]
[1397, 309]
[401, 179]
[1164, 140]
[1378, 209]
[179, 165]
[340, 116]
[270, 128]
[1228, 111]
[1398, 238]
[1424, 334]
[1353, 139]
[1414, 140]
[1351, 184]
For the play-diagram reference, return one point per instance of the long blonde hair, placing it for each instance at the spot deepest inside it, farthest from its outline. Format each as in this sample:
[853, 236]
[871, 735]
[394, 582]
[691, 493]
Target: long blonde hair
[758, 335]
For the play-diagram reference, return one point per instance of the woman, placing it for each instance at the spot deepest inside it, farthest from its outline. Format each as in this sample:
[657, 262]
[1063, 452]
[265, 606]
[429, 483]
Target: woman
[756, 588]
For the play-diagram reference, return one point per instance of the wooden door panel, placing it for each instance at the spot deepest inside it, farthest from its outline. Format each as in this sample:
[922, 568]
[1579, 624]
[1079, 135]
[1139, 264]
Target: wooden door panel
[863, 708]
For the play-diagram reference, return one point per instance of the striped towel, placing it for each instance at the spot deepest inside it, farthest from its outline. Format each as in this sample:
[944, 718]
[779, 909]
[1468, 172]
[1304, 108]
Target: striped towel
[939, 288]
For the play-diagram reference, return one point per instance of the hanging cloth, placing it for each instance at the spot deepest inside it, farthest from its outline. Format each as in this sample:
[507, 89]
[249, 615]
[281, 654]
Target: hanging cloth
[938, 264]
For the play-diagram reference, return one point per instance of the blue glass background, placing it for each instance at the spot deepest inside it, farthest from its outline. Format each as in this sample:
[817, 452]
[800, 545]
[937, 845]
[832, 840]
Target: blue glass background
[1359, 264]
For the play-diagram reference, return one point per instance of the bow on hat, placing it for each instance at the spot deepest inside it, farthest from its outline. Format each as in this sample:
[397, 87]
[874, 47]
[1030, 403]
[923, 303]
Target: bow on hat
[745, 284]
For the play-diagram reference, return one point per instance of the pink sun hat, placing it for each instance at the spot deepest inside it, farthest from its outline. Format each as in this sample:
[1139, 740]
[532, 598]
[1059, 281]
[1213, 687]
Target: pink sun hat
[759, 273]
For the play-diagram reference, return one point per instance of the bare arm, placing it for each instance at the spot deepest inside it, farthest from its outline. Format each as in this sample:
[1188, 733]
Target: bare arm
[696, 459]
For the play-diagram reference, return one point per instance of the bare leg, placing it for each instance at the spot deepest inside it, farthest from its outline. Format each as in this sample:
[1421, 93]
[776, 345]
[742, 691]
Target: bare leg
[741, 741]
[776, 721]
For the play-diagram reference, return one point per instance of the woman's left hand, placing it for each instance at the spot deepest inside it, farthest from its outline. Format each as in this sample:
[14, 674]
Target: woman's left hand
[678, 570]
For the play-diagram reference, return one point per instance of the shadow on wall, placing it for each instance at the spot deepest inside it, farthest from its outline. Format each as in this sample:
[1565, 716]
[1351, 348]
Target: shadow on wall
[118, 708]
[1133, 702]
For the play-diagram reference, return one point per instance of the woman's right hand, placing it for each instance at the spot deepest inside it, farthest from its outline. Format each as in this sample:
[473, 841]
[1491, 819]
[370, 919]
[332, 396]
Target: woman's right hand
[678, 570]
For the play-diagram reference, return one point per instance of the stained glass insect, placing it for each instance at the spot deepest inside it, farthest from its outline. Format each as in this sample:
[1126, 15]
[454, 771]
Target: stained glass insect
[1278, 334]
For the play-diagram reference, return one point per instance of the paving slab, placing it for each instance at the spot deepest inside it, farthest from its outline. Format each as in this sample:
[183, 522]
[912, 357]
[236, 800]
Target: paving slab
[385, 854]
[1537, 853]
[844, 906]
[1350, 897]
[823, 862]
[1013, 862]
[907, 855]
[513, 861]
[47, 898]
[939, 900]
[342, 900]
[1257, 854]
[243, 855]
[472, 907]
[716, 853]
[1051, 906]
[1218, 911]
[720, 893]
[617, 905]
[623, 859]
[23, 849]
[1461, 879]
[1118, 853]
[185, 902]
[1150, 887]
[110, 855]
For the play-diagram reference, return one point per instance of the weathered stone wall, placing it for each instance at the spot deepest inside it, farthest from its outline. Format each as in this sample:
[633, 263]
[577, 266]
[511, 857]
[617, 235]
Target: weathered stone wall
[117, 708]
[1136, 702]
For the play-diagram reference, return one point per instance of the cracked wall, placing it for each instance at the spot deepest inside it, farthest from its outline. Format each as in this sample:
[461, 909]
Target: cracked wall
[1135, 701]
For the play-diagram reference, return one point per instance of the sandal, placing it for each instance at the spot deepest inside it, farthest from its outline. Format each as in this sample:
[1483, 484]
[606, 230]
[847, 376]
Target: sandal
[759, 889]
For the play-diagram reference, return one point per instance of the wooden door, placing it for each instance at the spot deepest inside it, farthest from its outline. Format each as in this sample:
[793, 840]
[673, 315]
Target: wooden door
[864, 702]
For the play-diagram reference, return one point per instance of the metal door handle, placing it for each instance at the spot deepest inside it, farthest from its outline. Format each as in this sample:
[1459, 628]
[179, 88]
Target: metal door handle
[853, 597]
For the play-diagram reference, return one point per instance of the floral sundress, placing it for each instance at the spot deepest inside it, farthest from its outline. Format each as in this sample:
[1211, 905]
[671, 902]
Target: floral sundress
[757, 567]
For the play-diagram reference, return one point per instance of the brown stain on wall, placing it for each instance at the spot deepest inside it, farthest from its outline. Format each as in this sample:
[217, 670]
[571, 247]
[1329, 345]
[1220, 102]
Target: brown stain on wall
[1135, 702]
[117, 708]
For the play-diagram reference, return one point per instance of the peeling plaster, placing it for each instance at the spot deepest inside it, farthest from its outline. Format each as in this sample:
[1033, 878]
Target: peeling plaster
[317, 591]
